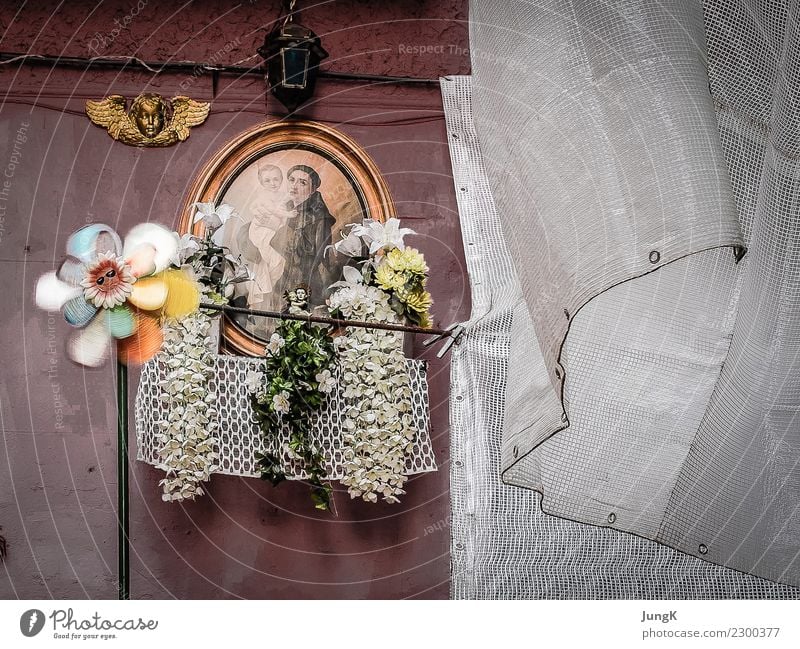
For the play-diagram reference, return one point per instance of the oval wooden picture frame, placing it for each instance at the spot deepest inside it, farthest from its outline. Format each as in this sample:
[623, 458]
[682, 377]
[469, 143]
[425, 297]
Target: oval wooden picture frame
[245, 149]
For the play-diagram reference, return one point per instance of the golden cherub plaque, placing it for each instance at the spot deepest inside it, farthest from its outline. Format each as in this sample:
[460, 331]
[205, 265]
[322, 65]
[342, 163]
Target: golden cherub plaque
[151, 120]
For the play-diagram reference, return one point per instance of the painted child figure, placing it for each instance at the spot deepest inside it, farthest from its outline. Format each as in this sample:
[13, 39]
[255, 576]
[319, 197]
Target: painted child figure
[269, 214]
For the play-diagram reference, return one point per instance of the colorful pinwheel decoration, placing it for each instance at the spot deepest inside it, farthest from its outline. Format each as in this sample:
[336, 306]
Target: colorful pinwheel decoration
[116, 291]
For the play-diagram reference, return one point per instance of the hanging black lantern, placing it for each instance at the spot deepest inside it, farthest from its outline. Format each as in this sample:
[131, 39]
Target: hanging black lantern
[292, 54]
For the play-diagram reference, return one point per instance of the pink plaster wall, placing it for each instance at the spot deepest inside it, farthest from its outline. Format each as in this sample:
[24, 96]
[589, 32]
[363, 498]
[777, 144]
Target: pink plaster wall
[57, 456]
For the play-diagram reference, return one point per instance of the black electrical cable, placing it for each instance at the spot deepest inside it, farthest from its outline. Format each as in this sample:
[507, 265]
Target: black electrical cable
[159, 67]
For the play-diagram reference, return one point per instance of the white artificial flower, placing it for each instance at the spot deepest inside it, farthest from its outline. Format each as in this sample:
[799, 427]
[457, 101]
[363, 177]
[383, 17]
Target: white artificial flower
[186, 439]
[326, 381]
[382, 235]
[213, 216]
[352, 278]
[236, 271]
[253, 381]
[350, 245]
[187, 246]
[375, 384]
[275, 344]
[353, 275]
[280, 402]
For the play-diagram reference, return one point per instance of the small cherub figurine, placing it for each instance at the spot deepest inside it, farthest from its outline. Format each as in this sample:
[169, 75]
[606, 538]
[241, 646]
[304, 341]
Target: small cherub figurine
[151, 121]
[297, 300]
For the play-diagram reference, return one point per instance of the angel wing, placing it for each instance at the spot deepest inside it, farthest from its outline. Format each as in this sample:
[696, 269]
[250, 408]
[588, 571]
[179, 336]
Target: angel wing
[110, 113]
[187, 113]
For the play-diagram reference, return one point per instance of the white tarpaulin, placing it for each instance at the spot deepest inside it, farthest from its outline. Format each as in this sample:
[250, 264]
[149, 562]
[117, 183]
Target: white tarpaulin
[651, 380]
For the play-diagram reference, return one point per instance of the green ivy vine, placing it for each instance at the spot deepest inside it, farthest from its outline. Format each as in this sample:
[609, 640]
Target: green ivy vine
[289, 394]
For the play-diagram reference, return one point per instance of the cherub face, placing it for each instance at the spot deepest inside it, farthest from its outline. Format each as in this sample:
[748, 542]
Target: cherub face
[270, 178]
[301, 294]
[149, 118]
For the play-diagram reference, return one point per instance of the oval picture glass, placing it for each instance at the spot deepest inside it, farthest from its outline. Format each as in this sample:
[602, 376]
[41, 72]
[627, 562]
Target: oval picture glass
[295, 186]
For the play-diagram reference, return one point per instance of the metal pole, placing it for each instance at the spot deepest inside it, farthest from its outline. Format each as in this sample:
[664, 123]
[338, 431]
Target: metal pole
[123, 519]
[339, 322]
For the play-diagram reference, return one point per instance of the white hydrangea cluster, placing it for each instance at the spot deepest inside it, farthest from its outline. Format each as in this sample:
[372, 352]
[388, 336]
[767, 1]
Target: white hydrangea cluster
[188, 448]
[378, 426]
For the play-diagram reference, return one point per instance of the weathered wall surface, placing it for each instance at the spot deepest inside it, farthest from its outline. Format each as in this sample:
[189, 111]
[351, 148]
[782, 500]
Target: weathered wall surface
[58, 450]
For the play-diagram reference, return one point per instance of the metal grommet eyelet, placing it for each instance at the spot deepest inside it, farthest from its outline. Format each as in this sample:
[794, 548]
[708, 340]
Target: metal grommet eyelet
[458, 463]
[703, 549]
[655, 256]
[612, 517]
[558, 373]
[459, 397]
[463, 189]
[564, 417]
[459, 546]
[516, 451]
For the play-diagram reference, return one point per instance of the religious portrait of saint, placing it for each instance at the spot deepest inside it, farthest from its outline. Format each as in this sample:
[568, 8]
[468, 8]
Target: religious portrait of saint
[295, 187]
[291, 205]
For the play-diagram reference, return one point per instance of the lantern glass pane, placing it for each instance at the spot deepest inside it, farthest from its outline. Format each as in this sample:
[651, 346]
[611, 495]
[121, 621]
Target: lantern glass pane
[295, 66]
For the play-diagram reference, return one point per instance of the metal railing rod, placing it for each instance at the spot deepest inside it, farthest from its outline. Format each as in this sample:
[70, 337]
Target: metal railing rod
[339, 322]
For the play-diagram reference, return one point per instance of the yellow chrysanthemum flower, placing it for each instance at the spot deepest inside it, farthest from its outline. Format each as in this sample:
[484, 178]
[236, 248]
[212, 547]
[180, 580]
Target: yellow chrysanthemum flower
[388, 279]
[419, 301]
[409, 260]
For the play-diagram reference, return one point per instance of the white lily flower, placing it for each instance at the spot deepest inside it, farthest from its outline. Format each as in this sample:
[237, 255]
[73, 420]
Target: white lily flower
[213, 216]
[236, 271]
[352, 278]
[187, 246]
[382, 235]
[350, 245]
[352, 275]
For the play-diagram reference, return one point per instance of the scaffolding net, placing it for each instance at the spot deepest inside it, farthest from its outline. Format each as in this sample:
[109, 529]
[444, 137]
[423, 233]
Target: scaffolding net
[620, 365]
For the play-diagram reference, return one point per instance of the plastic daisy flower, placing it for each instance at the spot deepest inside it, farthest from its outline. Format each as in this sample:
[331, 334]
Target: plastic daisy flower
[111, 291]
[108, 281]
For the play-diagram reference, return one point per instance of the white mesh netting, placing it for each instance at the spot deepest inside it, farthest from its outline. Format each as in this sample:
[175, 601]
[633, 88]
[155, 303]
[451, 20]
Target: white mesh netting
[601, 142]
[240, 438]
[503, 545]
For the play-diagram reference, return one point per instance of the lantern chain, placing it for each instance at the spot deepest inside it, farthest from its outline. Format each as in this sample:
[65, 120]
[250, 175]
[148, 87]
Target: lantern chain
[289, 16]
